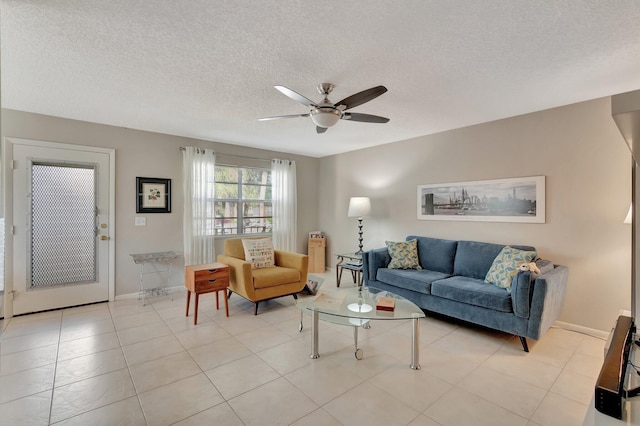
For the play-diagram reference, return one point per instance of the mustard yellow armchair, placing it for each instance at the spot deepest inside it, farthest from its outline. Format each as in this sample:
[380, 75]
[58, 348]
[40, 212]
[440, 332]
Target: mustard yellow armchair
[287, 278]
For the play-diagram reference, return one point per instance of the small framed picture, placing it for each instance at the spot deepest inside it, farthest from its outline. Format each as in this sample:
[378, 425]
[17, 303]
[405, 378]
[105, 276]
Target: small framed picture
[153, 195]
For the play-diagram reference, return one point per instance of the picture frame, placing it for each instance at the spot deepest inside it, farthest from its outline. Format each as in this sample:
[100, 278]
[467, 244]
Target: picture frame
[497, 200]
[153, 195]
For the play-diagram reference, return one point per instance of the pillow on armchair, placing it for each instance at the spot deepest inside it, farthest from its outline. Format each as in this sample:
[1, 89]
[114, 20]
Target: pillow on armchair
[259, 252]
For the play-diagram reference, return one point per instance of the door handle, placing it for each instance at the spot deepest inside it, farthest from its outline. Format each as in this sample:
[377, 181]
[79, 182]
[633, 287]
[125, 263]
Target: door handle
[104, 237]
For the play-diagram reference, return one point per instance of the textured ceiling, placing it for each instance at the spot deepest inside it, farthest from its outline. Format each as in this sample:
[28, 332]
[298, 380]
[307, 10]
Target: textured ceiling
[206, 69]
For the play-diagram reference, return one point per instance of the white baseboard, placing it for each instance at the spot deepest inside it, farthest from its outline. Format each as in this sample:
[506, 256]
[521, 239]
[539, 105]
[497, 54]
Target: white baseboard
[584, 330]
[170, 290]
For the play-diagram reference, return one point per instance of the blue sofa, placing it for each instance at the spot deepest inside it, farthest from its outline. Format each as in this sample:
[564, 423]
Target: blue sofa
[452, 283]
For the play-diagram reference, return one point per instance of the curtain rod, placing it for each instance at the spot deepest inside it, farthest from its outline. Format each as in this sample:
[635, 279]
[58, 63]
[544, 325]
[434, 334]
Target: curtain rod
[237, 156]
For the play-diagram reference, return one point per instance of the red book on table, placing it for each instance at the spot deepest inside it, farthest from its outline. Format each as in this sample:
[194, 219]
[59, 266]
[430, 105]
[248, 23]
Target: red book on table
[386, 303]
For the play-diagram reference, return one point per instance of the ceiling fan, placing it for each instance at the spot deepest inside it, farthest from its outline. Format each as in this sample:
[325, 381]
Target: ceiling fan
[325, 114]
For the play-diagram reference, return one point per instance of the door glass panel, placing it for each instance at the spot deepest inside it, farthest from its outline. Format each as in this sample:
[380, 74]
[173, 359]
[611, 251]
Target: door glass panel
[63, 239]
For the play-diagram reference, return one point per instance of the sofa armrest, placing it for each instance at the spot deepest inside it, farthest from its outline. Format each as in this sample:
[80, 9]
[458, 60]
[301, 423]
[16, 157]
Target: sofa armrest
[240, 277]
[547, 300]
[372, 261]
[521, 290]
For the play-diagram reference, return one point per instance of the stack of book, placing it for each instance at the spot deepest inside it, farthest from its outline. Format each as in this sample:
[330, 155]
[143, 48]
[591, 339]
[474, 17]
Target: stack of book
[385, 303]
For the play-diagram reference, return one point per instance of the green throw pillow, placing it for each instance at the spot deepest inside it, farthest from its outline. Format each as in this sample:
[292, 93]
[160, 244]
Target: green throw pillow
[404, 255]
[506, 265]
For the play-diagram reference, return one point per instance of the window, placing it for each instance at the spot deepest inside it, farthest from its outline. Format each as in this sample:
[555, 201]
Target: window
[242, 200]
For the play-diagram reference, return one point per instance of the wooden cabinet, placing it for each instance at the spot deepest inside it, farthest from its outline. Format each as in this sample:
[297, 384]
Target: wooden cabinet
[317, 248]
[206, 279]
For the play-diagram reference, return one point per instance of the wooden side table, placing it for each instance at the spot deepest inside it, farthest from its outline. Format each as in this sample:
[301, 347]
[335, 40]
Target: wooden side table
[207, 278]
[316, 249]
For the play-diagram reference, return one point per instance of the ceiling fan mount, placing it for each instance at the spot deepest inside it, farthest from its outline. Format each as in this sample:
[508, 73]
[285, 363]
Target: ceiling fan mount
[326, 114]
[325, 89]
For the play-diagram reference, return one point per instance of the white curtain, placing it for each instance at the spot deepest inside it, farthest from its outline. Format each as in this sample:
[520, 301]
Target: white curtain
[284, 199]
[198, 175]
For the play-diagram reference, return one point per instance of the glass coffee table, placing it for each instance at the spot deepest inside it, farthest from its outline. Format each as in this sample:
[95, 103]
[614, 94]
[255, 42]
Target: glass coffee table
[355, 307]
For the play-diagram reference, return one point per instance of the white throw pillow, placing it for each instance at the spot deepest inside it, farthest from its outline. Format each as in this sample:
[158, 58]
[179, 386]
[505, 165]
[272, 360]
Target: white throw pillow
[259, 252]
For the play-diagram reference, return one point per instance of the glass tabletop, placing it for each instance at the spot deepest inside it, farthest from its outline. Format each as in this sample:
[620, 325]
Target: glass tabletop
[361, 304]
[350, 256]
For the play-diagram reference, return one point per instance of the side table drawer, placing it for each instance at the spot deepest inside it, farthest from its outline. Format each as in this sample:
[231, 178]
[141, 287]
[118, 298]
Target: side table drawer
[210, 274]
[203, 286]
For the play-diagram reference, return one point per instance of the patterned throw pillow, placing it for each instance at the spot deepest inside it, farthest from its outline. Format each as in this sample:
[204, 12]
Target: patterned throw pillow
[259, 252]
[506, 265]
[404, 255]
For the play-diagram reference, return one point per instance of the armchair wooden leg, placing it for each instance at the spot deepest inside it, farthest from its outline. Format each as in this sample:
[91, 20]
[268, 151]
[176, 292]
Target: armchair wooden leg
[255, 309]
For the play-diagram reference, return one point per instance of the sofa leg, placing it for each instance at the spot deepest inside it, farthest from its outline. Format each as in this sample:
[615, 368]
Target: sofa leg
[523, 340]
[255, 308]
[295, 296]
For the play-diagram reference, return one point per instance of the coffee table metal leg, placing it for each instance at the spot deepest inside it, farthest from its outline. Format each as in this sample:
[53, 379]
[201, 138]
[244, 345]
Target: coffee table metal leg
[415, 344]
[358, 352]
[314, 335]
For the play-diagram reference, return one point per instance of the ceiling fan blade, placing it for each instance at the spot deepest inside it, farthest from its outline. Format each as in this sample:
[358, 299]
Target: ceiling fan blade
[296, 96]
[321, 129]
[278, 117]
[366, 118]
[361, 97]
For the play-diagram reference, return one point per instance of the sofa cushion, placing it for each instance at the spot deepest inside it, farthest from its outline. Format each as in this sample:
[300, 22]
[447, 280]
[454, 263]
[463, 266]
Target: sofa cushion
[505, 266]
[404, 255]
[473, 291]
[436, 254]
[277, 275]
[418, 281]
[473, 259]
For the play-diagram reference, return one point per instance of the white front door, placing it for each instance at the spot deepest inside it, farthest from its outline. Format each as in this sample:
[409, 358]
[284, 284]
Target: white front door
[62, 223]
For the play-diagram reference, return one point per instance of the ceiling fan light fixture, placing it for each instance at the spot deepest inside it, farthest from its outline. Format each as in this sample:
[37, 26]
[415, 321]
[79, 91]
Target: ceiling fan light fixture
[325, 117]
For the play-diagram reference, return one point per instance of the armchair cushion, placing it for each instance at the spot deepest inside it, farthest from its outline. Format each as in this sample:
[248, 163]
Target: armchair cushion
[269, 277]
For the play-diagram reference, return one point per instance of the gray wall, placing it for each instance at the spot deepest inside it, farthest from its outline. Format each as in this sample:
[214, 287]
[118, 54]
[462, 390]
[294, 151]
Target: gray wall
[588, 192]
[577, 147]
[148, 154]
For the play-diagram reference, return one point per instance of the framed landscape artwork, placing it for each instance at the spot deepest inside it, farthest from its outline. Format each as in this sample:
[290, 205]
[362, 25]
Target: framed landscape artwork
[153, 195]
[498, 200]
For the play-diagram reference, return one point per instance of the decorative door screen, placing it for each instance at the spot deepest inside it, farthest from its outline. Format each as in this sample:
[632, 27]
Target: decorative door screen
[63, 224]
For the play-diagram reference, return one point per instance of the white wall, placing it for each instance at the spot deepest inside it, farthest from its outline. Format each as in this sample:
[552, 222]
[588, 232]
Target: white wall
[148, 154]
[588, 191]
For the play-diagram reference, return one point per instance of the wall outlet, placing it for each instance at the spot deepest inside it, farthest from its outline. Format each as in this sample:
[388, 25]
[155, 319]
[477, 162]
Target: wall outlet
[141, 221]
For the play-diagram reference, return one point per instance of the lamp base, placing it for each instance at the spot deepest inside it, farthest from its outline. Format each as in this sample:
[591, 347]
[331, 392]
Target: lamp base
[359, 236]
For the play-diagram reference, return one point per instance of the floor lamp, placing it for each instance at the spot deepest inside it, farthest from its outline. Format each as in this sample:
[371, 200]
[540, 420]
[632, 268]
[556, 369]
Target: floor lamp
[359, 207]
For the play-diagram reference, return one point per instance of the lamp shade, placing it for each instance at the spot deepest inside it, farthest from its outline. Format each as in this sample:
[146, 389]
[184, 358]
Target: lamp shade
[359, 206]
[627, 219]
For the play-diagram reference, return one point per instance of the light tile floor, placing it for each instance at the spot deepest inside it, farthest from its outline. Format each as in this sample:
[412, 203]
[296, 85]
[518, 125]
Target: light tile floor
[123, 363]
